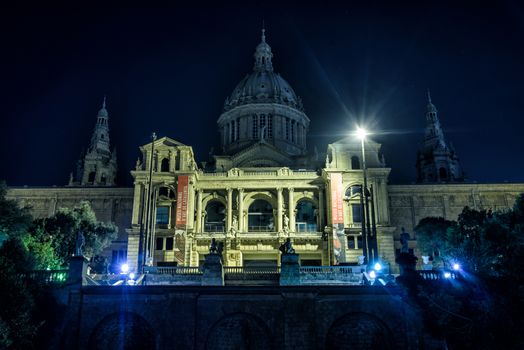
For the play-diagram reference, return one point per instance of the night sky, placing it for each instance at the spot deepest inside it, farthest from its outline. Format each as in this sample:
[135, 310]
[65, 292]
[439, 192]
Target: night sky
[169, 68]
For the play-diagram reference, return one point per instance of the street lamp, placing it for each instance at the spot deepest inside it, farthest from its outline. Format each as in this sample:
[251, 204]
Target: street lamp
[361, 133]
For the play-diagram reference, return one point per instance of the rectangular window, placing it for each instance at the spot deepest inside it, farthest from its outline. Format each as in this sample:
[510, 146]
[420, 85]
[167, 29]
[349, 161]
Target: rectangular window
[237, 127]
[169, 243]
[287, 128]
[292, 131]
[269, 126]
[162, 215]
[356, 211]
[254, 133]
[159, 243]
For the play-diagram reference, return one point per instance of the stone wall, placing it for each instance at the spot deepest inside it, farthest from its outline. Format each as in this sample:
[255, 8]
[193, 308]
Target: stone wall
[110, 204]
[242, 317]
[410, 203]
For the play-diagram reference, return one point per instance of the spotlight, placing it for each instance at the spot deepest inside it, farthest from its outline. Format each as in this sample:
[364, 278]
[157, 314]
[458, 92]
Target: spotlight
[447, 275]
[132, 276]
[124, 268]
[372, 274]
[377, 267]
[456, 267]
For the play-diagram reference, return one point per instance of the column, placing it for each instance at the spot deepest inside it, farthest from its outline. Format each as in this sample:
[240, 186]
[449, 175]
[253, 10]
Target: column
[240, 209]
[279, 209]
[321, 209]
[137, 204]
[229, 208]
[199, 211]
[291, 210]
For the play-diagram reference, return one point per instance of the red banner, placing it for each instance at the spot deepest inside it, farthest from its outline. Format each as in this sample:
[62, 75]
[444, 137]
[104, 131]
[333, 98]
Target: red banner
[337, 206]
[181, 204]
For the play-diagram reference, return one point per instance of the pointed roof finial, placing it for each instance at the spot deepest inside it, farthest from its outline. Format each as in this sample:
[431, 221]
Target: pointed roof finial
[263, 31]
[429, 96]
[104, 103]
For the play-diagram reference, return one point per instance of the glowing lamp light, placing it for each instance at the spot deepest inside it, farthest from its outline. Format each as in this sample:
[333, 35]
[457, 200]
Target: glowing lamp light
[361, 133]
[132, 276]
[372, 274]
[447, 275]
[377, 267]
[124, 268]
[456, 267]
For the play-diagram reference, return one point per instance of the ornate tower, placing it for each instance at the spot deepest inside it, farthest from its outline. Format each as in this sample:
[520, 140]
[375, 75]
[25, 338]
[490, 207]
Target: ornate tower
[436, 161]
[97, 167]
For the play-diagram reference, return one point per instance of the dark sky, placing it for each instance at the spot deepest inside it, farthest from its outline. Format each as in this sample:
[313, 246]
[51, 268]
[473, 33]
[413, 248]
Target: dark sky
[169, 69]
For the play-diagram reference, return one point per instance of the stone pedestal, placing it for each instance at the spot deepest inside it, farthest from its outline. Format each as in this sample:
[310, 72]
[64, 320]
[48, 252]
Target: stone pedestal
[289, 270]
[213, 273]
[77, 271]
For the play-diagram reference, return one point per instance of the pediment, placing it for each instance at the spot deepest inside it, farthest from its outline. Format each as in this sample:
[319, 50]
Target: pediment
[163, 142]
[261, 154]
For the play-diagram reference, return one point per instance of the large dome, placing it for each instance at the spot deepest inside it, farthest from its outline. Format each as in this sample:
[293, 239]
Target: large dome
[263, 109]
[263, 85]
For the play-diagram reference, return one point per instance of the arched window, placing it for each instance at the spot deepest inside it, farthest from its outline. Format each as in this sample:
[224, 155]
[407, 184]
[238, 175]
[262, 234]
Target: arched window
[260, 216]
[306, 219]
[355, 163]
[91, 177]
[164, 166]
[353, 190]
[215, 217]
[254, 131]
[443, 173]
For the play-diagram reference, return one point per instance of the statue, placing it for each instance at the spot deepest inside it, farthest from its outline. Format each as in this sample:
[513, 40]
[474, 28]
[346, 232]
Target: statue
[234, 224]
[70, 179]
[287, 247]
[404, 238]
[213, 248]
[286, 223]
[138, 165]
[262, 133]
[80, 241]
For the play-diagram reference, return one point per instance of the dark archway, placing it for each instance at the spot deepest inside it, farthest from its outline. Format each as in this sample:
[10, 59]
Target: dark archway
[355, 163]
[125, 330]
[443, 173]
[91, 177]
[260, 216]
[215, 217]
[359, 331]
[306, 218]
[164, 165]
[239, 331]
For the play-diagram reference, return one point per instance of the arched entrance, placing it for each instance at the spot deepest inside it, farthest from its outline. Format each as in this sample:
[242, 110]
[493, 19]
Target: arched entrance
[125, 330]
[215, 217]
[239, 331]
[260, 216]
[358, 331]
[306, 217]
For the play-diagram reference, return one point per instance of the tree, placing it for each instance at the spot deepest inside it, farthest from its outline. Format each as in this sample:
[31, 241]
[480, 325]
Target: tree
[483, 308]
[431, 237]
[61, 231]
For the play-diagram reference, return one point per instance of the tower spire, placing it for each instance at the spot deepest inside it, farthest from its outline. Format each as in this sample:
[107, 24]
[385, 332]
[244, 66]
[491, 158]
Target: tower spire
[263, 54]
[429, 96]
[104, 103]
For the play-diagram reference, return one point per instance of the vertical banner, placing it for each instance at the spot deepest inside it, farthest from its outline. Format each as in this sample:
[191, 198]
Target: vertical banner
[181, 203]
[337, 217]
[337, 206]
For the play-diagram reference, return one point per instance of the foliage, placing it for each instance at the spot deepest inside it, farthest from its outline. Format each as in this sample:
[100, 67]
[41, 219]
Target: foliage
[14, 220]
[61, 230]
[483, 307]
[431, 236]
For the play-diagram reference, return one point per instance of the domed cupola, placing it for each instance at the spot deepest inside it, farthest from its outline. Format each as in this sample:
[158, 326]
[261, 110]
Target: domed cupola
[263, 107]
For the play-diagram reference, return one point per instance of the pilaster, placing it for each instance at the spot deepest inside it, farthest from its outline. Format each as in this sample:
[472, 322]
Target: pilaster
[291, 209]
[279, 209]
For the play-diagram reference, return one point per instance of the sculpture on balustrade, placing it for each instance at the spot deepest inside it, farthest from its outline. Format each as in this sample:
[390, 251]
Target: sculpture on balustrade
[287, 247]
[404, 240]
[213, 248]
[80, 241]
[286, 224]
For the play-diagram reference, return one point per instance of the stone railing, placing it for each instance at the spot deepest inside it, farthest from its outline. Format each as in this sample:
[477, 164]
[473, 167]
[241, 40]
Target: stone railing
[172, 270]
[247, 275]
[437, 275]
[48, 277]
[347, 275]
